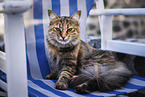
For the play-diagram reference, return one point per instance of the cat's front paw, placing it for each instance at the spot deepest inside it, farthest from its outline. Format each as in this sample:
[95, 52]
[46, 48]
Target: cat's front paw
[61, 85]
[51, 76]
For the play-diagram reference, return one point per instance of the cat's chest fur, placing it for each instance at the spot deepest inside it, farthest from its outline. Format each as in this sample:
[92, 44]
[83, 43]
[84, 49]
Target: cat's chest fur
[56, 58]
[53, 58]
[79, 53]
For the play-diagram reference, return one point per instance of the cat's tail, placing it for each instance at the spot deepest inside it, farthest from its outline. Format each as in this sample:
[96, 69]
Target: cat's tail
[101, 79]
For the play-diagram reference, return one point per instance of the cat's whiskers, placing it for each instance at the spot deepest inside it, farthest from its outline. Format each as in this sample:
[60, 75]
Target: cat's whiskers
[63, 39]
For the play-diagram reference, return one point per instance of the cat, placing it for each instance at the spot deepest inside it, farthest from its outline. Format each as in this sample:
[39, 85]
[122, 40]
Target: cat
[68, 56]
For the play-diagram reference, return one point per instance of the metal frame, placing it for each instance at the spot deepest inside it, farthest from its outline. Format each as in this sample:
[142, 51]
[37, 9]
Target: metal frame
[105, 21]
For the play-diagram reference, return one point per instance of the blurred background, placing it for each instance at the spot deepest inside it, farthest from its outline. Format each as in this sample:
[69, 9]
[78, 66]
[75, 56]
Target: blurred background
[123, 26]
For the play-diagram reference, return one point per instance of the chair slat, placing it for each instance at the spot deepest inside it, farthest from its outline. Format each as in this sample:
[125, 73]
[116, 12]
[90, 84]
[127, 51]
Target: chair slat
[126, 47]
[129, 11]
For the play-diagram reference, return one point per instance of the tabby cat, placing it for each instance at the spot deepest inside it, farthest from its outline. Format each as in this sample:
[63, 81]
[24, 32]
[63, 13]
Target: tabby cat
[68, 56]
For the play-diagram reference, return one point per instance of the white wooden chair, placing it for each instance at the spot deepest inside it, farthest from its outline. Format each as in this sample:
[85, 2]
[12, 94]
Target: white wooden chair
[24, 62]
[105, 21]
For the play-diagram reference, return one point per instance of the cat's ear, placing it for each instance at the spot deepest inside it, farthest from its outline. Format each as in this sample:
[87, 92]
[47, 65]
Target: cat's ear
[52, 15]
[76, 15]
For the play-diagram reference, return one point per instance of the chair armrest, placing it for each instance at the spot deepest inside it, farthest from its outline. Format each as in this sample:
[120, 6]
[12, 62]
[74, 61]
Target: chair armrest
[14, 7]
[120, 46]
[15, 47]
[125, 11]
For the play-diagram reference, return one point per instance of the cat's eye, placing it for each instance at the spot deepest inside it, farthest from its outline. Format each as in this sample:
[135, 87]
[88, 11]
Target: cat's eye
[56, 29]
[70, 29]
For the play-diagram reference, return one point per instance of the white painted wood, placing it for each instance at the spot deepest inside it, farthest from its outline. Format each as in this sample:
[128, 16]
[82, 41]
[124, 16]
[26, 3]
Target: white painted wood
[100, 6]
[14, 6]
[80, 6]
[106, 30]
[126, 47]
[3, 61]
[105, 22]
[15, 48]
[129, 11]
[15, 55]
[105, 18]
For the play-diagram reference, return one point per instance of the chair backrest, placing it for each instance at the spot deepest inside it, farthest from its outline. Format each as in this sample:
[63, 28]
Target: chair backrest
[37, 22]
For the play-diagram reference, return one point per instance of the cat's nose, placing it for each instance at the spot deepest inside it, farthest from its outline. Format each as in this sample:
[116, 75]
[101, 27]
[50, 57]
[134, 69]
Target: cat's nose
[63, 35]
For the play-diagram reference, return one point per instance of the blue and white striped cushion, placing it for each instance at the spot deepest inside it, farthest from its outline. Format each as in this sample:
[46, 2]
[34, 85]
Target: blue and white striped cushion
[37, 64]
[45, 88]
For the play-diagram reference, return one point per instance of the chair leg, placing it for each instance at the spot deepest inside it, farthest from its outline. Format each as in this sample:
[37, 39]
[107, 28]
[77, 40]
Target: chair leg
[15, 55]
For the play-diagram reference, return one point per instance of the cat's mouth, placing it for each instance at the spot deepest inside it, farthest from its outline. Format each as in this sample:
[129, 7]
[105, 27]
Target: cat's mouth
[63, 42]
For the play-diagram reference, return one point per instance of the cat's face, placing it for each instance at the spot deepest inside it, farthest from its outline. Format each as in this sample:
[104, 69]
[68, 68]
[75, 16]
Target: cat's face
[63, 31]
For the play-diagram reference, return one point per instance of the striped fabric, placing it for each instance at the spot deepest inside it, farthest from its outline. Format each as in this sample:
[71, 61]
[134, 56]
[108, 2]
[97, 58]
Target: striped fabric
[36, 21]
[45, 88]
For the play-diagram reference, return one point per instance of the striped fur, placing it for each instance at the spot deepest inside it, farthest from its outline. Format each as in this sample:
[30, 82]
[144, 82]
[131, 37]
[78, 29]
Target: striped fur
[69, 56]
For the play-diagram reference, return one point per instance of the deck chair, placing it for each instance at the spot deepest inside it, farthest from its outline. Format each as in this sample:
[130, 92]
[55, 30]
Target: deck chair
[25, 50]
